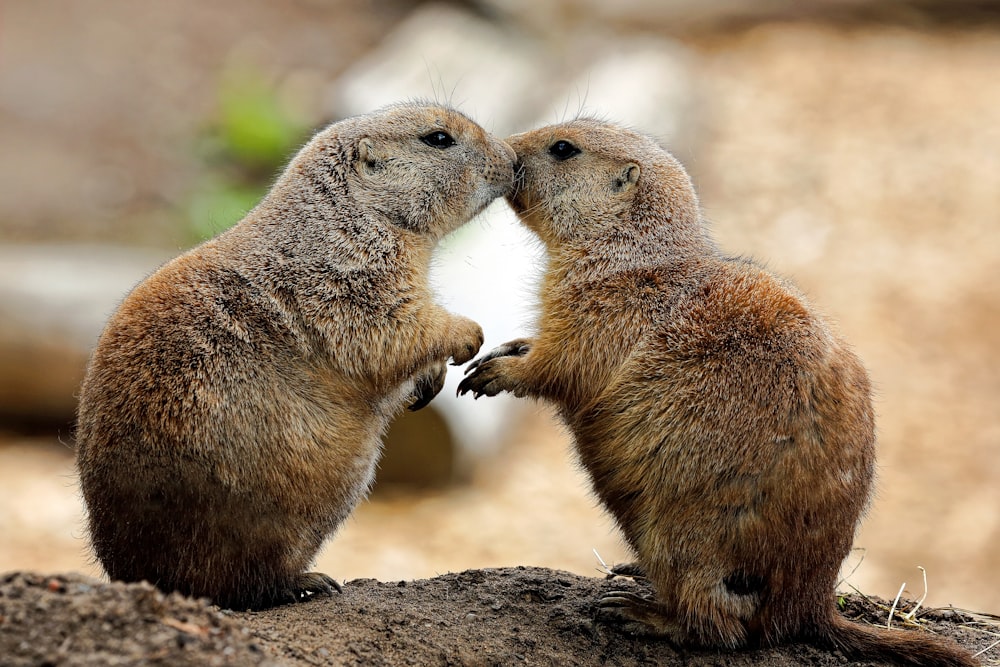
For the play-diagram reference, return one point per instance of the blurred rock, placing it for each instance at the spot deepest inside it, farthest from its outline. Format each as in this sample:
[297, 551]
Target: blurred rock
[54, 301]
[676, 16]
[442, 52]
[419, 451]
[647, 83]
[683, 17]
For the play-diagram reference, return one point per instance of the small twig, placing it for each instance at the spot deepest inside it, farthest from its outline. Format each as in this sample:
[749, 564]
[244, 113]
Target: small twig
[604, 566]
[990, 618]
[856, 590]
[988, 648]
[185, 627]
[855, 569]
[913, 612]
[892, 610]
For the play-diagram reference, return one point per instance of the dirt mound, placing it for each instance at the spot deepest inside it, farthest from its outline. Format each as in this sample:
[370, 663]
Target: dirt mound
[70, 619]
[505, 616]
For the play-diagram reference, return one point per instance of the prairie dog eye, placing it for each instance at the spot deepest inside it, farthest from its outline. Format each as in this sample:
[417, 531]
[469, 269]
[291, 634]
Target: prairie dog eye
[563, 150]
[438, 139]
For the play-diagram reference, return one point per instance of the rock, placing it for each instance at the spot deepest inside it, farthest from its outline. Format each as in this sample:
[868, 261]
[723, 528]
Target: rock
[54, 301]
[684, 17]
[448, 54]
[646, 83]
[420, 451]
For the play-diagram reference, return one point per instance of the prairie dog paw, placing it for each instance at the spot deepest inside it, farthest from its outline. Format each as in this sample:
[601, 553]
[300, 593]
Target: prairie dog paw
[468, 338]
[515, 348]
[428, 385]
[489, 378]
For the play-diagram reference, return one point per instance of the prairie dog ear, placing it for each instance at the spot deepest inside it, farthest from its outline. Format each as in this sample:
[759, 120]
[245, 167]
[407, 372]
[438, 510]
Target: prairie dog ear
[627, 177]
[368, 157]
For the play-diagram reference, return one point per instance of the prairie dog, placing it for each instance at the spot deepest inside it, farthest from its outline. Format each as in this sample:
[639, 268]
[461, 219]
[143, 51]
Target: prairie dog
[723, 423]
[232, 413]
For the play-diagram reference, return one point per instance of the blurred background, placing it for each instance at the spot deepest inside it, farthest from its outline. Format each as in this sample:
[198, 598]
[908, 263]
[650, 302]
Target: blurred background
[852, 145]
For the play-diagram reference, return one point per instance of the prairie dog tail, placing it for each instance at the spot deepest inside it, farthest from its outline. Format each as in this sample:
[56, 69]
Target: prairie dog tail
[903, 647]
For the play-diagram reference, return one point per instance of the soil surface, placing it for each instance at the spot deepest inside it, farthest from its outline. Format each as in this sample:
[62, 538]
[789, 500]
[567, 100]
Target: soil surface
[507, 616]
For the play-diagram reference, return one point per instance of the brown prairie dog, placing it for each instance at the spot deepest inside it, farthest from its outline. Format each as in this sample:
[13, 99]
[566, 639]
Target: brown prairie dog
[722, 422]
[232, 413]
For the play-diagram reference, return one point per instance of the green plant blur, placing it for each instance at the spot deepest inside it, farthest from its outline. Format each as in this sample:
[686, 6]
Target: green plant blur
[244, 149]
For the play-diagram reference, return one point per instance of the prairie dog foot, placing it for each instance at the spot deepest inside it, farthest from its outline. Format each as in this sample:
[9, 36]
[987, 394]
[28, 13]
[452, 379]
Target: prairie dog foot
[638, 615]
[308, 584]
[302, 588]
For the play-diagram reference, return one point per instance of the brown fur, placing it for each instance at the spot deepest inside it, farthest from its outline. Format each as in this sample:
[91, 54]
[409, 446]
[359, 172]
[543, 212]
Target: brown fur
[724, 425]
[232, 412]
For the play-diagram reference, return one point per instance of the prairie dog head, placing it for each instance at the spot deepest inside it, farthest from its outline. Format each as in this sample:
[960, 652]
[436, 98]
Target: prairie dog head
[587, 180]
[422, 167]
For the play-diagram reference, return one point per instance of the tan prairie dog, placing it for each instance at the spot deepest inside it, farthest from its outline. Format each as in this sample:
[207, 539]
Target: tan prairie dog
[232, 414]
[723, 424]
